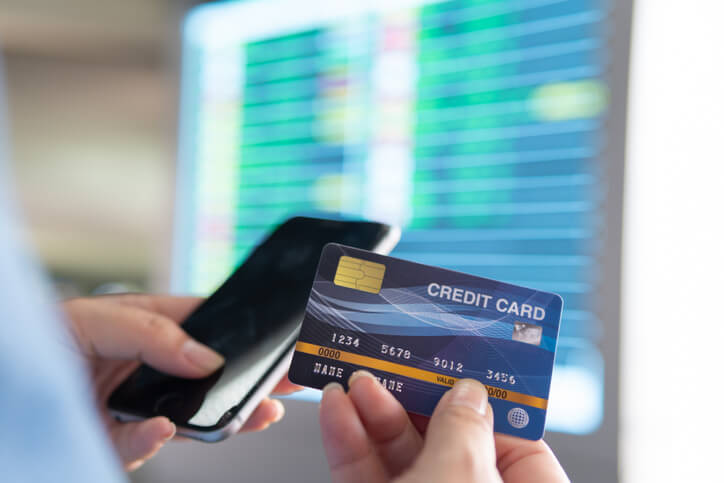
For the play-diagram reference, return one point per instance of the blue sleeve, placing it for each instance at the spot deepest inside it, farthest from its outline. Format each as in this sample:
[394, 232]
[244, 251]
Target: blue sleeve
[49, 427]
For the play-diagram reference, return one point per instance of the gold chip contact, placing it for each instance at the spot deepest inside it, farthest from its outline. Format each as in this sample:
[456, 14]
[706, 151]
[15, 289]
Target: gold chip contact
[359, 274]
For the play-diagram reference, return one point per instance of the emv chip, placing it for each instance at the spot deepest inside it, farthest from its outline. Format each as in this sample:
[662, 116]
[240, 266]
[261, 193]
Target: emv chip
[359, 274]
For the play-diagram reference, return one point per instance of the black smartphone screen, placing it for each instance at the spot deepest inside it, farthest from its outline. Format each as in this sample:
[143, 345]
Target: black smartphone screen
[252, 320]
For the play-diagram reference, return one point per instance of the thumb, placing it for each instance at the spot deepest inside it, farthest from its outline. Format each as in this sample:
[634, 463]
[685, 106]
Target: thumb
[138, 441]
[459, 438]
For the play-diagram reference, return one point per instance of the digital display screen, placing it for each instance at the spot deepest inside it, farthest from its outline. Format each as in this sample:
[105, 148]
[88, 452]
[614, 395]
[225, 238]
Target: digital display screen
[478, 126]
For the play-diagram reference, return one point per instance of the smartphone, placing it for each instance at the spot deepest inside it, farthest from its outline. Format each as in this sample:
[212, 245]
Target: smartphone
[253, 320]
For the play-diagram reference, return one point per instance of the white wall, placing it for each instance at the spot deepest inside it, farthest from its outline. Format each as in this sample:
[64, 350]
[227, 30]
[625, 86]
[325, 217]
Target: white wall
[673, 267]
[92, 94]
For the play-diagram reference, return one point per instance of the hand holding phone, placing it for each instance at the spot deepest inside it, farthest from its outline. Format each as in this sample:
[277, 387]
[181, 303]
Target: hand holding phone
[114, 331]
[252, 320]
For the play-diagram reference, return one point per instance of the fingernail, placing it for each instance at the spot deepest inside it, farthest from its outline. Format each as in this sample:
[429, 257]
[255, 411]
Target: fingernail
[201, 356]
[332, 386]
[280, 411]
[171, 433]
[360, 374]
[469, 393]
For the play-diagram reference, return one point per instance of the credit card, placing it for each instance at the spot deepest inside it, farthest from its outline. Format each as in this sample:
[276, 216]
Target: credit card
[419, 329]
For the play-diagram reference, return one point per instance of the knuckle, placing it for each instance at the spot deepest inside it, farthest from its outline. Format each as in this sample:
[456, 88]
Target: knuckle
[474, 428]
[154, 325]
[468, 456]
[468, 459]
[464, 457]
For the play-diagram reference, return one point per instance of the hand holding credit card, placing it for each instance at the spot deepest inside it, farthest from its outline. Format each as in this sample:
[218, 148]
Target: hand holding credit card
[419, 329]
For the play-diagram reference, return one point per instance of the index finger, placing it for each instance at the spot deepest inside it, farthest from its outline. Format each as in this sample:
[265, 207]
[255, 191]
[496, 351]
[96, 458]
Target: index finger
[171, 306]
[350, 453]
[119, 331]
[395, 438]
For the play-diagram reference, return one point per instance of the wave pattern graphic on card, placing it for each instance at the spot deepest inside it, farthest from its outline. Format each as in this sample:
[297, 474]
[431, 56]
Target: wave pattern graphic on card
[420, 328]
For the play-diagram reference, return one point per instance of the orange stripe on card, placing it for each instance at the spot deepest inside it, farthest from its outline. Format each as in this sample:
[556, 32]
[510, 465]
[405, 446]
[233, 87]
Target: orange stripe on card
[414, 373]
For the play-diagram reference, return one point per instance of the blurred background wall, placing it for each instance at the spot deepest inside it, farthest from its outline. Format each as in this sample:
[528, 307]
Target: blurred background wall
[92, 89]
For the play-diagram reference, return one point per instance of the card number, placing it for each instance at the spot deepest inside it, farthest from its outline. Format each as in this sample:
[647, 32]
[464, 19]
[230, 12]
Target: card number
[448, 364]
[345, 339]
[396, 351]
[501, 377]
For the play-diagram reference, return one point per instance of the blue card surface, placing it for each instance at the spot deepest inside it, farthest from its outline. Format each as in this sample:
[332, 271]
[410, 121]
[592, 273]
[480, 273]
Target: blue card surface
[420, 328]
